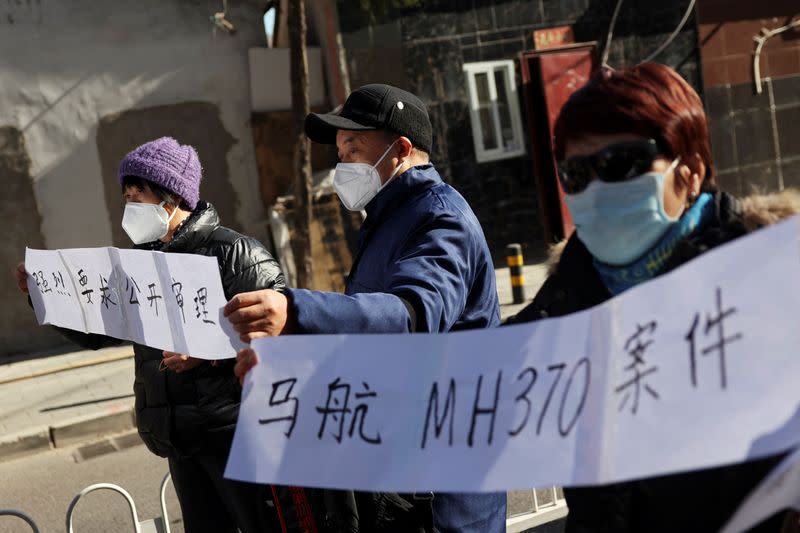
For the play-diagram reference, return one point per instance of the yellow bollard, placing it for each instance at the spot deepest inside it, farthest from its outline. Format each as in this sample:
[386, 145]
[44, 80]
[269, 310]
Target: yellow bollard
[514, 259]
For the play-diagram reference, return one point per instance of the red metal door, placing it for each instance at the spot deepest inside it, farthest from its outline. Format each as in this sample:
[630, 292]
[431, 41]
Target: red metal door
[549, 78]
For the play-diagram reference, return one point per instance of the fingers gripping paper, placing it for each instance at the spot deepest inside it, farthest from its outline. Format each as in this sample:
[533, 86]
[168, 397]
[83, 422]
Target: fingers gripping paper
[695, 369]
[169, 301]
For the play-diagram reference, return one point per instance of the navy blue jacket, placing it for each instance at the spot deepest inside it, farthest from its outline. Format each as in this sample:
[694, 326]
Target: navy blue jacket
[423, 265]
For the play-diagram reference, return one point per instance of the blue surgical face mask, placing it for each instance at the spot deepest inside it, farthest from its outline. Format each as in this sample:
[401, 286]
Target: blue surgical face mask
[619, 222]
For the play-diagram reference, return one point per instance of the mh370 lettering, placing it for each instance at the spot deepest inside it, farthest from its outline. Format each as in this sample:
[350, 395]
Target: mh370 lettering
[552, 397]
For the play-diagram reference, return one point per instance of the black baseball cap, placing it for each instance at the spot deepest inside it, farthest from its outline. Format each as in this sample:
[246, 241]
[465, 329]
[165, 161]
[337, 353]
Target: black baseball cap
[375, 107]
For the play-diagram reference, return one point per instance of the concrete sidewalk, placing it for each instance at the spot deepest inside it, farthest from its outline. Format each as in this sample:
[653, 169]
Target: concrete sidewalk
[62, 400]
[534, 277]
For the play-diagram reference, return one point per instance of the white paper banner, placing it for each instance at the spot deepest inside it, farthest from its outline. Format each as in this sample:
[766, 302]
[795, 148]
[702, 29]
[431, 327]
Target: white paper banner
[169, 301]
[695, 369]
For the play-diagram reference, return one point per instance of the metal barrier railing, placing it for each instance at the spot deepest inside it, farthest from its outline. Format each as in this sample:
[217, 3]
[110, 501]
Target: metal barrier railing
[539, 513]
[164, 513]
[22, 516]
[101, 486]
[155, 525]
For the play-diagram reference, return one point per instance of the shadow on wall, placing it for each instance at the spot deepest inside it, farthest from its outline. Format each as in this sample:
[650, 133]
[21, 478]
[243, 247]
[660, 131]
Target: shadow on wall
[21, 227]
[195, 123]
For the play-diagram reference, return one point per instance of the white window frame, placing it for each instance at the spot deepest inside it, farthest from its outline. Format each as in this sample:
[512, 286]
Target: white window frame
[539, 515]
[489, 68]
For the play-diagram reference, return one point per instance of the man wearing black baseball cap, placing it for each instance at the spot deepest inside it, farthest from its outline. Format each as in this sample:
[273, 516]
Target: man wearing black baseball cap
[423, 265]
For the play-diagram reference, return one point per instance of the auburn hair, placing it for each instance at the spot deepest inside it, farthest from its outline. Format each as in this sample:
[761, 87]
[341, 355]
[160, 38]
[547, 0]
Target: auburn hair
[651, 100]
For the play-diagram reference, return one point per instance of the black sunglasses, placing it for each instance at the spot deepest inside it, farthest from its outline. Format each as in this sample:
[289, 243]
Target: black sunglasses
[618, 162]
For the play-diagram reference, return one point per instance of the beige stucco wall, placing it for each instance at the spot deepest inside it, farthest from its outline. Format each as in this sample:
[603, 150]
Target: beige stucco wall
[65, 64]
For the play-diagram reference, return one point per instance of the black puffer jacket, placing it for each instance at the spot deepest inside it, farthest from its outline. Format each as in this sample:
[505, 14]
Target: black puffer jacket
[181, 413]
[698, 501]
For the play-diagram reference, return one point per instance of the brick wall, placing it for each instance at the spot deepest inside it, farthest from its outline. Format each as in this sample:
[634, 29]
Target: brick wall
[423, 48]
[754, 136]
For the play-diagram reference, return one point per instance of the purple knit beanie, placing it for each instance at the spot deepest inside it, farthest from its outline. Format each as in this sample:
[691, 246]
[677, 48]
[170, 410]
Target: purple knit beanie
[174, 166]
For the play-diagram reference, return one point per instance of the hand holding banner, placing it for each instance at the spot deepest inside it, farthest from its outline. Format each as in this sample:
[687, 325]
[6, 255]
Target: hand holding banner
[646, 384]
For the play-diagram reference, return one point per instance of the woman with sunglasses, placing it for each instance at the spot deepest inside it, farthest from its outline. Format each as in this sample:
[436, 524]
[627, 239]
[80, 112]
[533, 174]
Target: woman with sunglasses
[634, 160]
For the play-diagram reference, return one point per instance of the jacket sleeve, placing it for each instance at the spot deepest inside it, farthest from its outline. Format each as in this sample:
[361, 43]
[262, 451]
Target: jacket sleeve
[250, 267]
[425, 290]
[329, 312]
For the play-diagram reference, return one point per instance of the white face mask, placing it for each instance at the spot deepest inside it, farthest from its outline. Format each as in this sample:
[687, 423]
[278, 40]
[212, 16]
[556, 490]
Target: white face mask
[146, 222]
[358, 183]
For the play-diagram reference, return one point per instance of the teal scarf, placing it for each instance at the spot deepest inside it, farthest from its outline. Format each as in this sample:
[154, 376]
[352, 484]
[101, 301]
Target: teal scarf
[618, 279]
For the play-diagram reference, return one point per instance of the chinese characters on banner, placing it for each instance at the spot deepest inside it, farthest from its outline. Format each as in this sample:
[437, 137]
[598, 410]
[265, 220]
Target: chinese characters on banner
[167, 301]
[695, 369]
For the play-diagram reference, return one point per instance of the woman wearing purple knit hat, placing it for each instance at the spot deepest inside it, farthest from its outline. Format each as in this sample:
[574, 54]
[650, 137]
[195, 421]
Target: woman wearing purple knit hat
[186, 408]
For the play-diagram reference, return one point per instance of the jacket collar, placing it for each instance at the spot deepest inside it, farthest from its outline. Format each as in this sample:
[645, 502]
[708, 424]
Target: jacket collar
[573, 259]
[194, 231]
[407, 185]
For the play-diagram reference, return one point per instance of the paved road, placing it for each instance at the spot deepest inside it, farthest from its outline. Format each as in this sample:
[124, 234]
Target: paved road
[43, 486]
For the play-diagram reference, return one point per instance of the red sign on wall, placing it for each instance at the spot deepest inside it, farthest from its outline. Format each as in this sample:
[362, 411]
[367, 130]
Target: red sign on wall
[552, 37]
